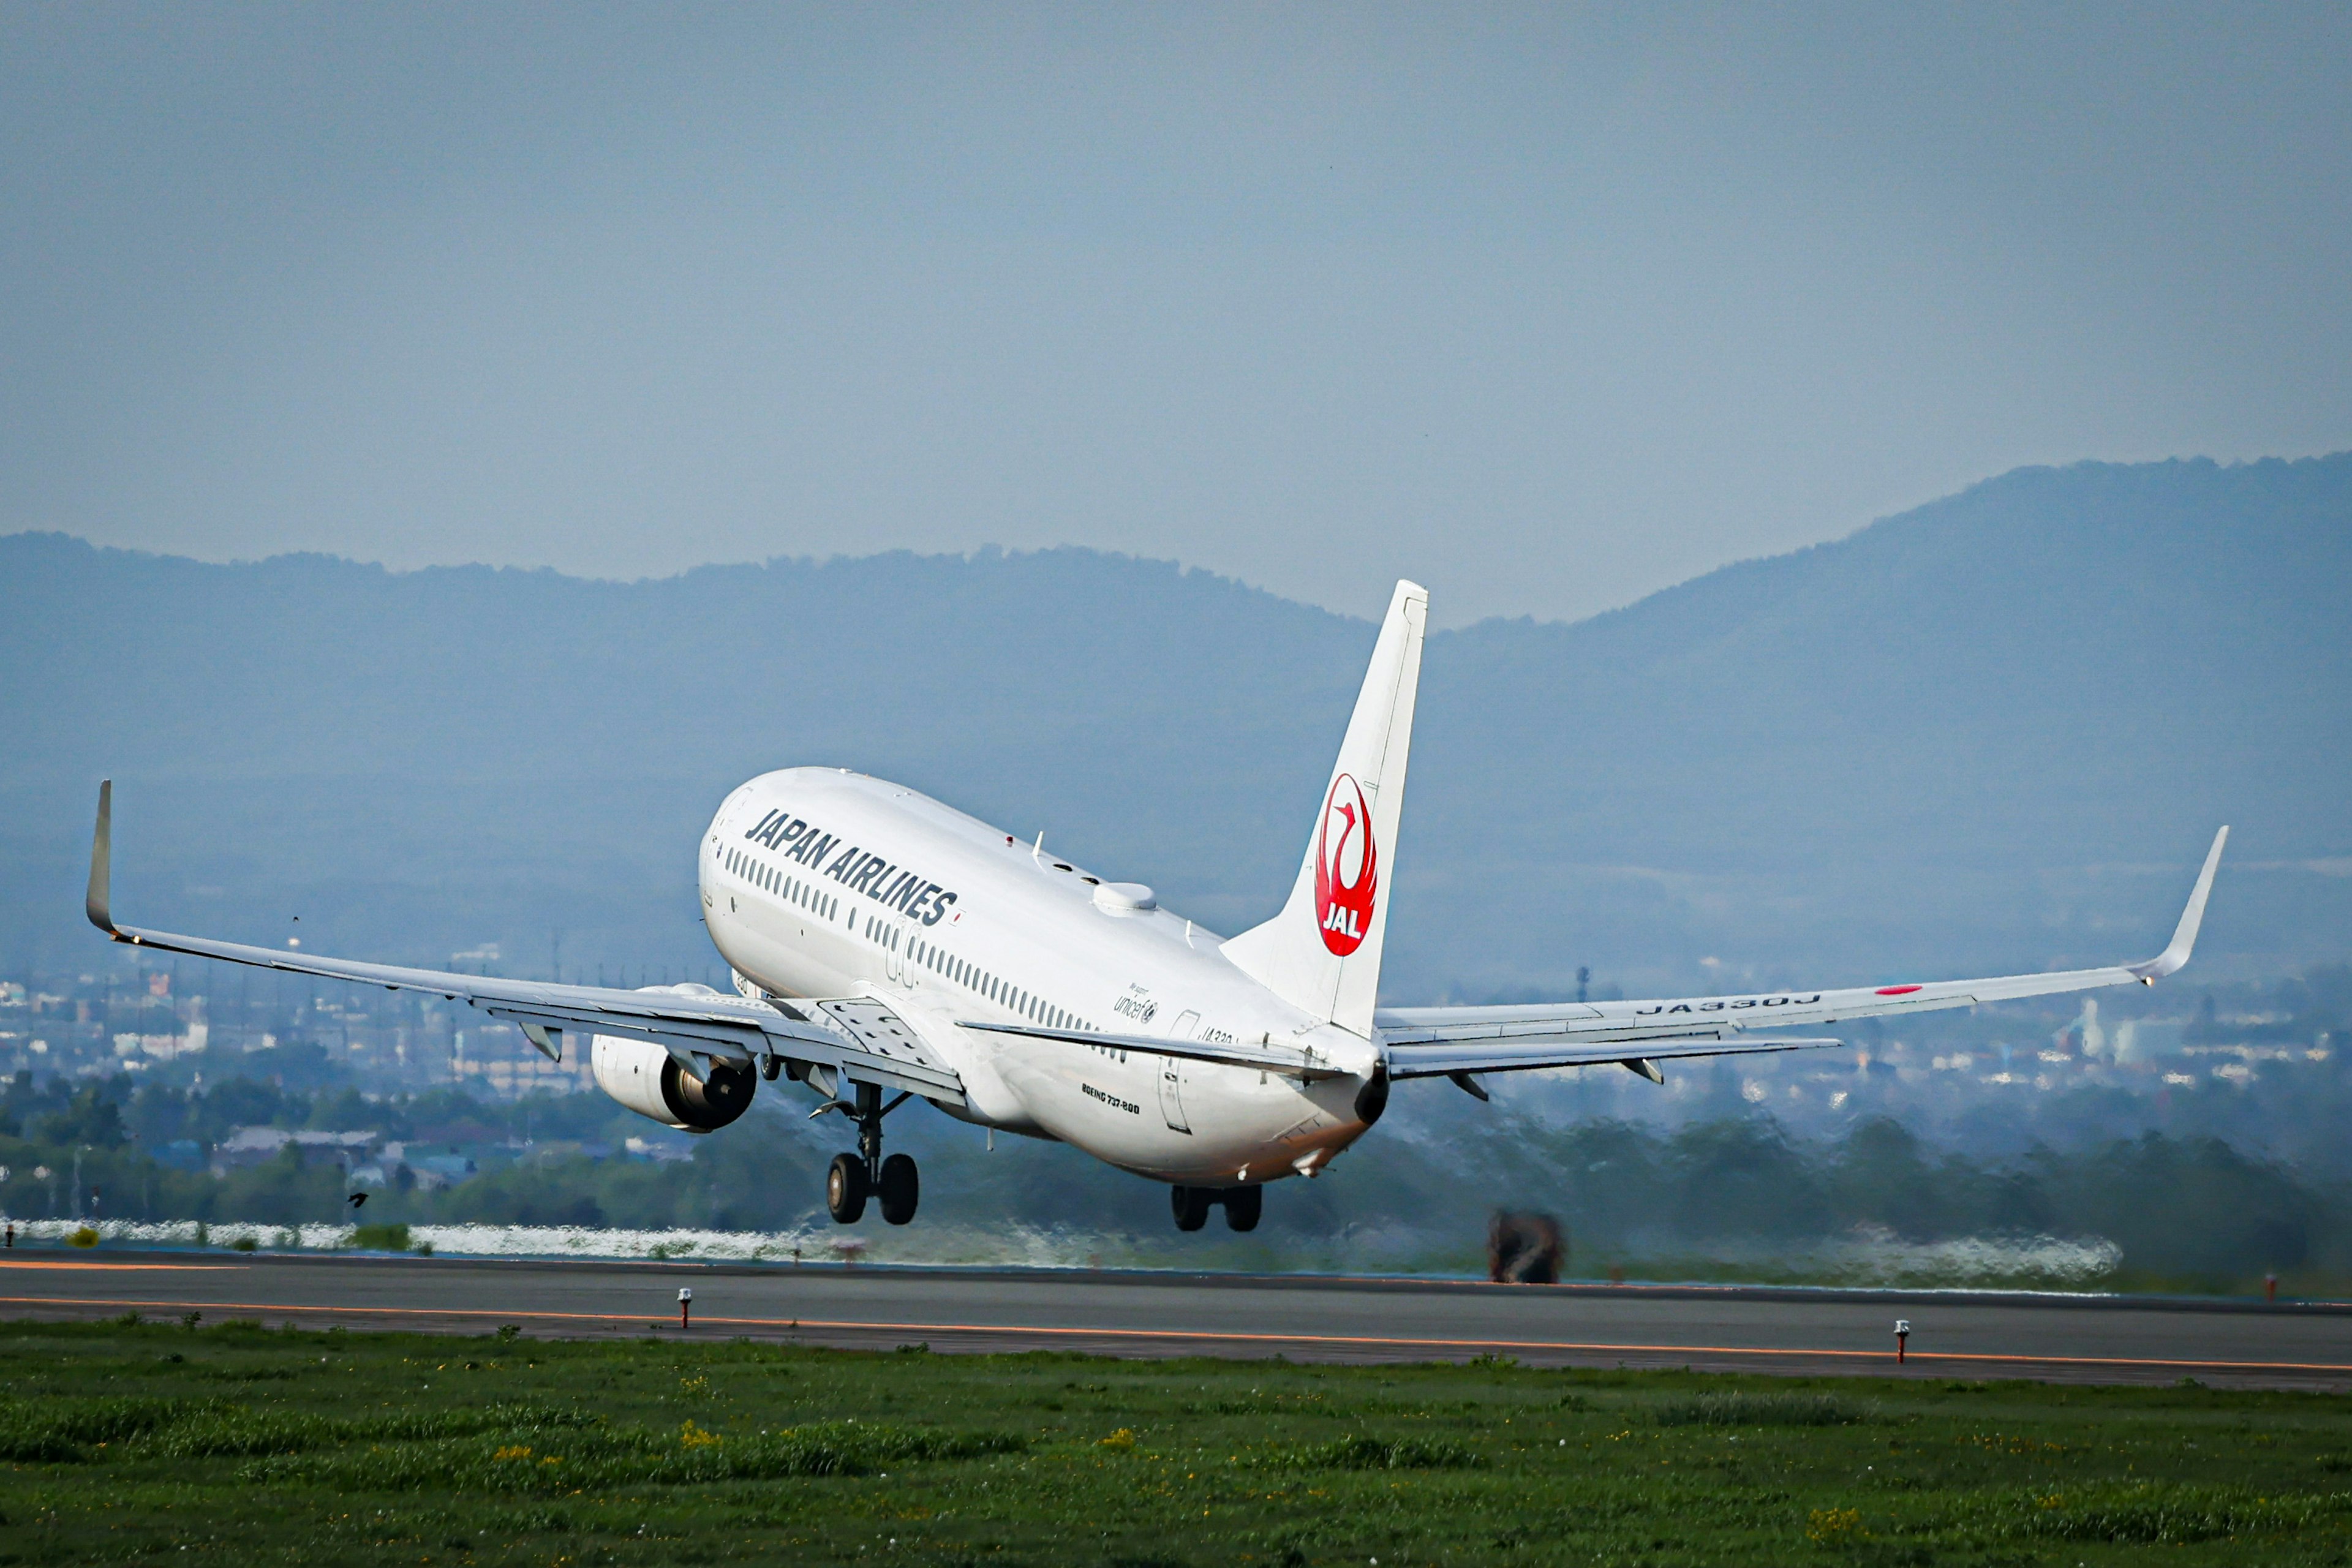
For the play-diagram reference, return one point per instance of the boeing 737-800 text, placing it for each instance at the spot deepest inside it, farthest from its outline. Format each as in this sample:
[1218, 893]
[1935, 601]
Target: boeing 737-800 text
[885, 946]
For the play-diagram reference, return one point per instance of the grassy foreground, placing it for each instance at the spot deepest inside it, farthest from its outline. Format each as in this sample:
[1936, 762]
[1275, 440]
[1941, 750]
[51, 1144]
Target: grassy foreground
[125, 1441]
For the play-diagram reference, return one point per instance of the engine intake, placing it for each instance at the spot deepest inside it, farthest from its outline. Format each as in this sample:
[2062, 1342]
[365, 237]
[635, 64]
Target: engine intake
[644, 1078]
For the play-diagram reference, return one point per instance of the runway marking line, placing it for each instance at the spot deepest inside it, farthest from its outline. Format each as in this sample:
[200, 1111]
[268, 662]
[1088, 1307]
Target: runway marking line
[1214, 1335]
[121, 1267]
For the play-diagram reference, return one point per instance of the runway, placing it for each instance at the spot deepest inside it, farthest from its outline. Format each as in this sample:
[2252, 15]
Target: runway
[2059, 1338]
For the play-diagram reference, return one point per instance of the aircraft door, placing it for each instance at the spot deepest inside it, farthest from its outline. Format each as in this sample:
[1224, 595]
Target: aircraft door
[1171, 1078]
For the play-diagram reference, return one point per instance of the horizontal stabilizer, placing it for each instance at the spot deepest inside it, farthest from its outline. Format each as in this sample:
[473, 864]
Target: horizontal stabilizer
[1307, 1065]
[1451, 1061]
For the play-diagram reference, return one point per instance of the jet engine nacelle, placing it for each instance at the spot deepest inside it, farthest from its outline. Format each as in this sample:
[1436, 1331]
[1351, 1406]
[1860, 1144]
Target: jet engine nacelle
[644, 1078]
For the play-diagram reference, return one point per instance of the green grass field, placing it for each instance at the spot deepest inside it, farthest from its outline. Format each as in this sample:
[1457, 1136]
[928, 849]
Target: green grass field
[232, 1442]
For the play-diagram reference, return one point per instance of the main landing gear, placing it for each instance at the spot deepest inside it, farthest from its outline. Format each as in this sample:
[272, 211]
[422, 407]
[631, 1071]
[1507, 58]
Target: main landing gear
[1242, 1206]
[893, 1183]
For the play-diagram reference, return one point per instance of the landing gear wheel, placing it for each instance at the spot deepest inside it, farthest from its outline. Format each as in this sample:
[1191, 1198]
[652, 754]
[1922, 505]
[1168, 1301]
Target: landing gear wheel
[1242, 1206]
[1192, 1206]
[845, 1189]
[898, 1189]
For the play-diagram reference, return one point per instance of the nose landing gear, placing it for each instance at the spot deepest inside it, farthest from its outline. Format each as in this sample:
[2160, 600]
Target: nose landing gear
[851, 1177]
[1191, 1205]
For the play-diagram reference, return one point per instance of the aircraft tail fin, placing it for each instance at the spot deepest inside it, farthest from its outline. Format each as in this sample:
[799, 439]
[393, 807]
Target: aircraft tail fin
[1322, 953]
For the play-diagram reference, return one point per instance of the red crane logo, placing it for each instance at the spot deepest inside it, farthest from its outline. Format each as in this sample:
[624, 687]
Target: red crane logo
[1347, 863]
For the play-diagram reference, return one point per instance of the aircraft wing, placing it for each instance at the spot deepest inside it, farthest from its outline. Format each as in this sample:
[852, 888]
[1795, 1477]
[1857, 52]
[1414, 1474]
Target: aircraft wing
[1427, 1041]
[856, 1038]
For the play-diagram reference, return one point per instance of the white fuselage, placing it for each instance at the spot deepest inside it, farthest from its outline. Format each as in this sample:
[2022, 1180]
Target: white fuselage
[818, 882]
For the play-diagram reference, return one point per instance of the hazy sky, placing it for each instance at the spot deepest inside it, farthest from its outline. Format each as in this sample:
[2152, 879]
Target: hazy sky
[1546, 307]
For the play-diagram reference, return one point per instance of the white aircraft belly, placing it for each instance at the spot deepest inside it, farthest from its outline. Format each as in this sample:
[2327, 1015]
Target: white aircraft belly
[1239, 1121]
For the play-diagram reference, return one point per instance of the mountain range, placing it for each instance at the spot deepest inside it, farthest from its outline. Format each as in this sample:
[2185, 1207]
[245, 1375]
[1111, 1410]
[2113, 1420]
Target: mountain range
[1991, 733]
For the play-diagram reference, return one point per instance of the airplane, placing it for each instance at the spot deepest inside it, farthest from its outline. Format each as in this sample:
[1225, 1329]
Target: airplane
[887, 947]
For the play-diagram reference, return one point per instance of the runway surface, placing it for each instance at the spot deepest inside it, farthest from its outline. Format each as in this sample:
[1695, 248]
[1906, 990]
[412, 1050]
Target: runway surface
[2123, 1340]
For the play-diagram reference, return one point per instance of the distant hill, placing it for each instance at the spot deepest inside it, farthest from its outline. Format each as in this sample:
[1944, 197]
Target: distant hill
[1995, 731]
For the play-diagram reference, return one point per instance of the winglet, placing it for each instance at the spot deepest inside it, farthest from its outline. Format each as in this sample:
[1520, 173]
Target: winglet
[2184, 935]
[102, 862]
